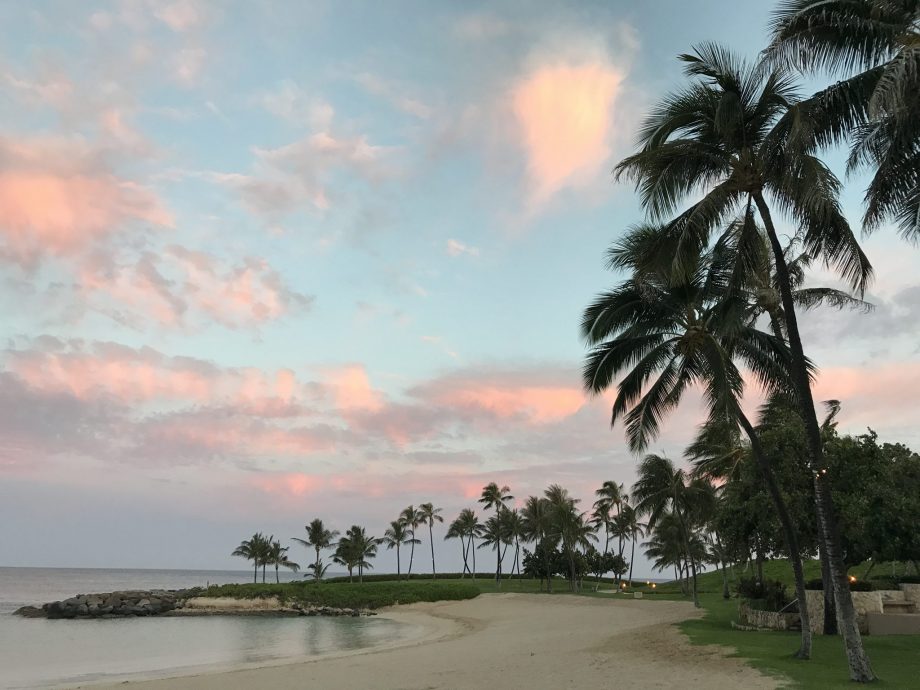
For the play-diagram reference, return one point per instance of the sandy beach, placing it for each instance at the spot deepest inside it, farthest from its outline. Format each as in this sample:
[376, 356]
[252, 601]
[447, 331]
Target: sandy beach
[513, 641]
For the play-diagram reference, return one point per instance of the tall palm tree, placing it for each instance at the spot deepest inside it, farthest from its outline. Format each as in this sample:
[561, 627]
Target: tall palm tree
[412, 518]
[514, 523]
[663, 488]
[874, 108]
[430, 515]
[629, 518]
[355, 550]
[277, 556]
[609, 497]
[537, 515]
[495, 497]
[466, 528]
[251, 549]
[318, 538]
[495, 533]
[727, 136]
[397, 534]
[668, 332]
[570, 525]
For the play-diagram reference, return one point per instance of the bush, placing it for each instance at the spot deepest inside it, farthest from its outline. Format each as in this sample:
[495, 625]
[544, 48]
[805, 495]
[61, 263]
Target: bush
[367, 595]
[770, 595]
[815, 584]
[908, 580]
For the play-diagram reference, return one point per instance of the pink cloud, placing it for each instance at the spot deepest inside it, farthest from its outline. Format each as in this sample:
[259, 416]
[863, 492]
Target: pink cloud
[137, 376]
[564, 112]
[55, 198]
[351, 389]
[180, 16]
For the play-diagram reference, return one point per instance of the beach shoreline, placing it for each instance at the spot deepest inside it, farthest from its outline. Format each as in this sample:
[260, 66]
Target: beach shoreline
[519, 640]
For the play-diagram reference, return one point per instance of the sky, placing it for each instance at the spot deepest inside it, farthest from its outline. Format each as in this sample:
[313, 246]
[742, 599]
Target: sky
[269, 261]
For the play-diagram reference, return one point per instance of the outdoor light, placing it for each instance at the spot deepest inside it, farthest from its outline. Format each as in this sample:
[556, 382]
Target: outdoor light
[653, 585]
[852, 578]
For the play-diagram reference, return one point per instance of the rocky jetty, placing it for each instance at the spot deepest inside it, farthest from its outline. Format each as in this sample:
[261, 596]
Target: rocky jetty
[112, 604]
[180, 602]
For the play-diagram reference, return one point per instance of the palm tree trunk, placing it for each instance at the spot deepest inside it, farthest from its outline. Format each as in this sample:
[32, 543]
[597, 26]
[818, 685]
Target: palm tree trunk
[255, 571]
[473, 549]
[316, 567]
[792, 541]
[411, 555]
[263, 573]
[277, 578]
[463, 549]
[398, 568]
[686, 535]
[857, 659]
[434, 575]
[632, 556]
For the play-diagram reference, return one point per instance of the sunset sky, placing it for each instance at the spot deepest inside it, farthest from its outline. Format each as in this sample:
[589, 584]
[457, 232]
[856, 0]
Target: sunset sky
[263, 262]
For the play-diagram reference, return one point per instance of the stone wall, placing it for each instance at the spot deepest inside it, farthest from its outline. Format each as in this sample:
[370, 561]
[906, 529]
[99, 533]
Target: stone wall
[772, 620]
[864, 602]
[911, 593]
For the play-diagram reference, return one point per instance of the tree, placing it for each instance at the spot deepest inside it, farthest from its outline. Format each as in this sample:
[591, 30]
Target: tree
[495, 533]
[397, 534]
[876, 108]
[538, 524]
[629, 519]
[355, 550]
[252, 549]
[466, 527]
[318, 538]
[495, 497]
[412, 518]
[727, 136]
[571, 527]
[669, 332]
[514, 524]
[430, 515]
[277, 556]
[609, 496]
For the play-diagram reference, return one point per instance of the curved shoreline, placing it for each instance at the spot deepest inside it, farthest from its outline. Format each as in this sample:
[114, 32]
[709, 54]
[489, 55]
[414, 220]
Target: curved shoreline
[532, 641]
[427, 627]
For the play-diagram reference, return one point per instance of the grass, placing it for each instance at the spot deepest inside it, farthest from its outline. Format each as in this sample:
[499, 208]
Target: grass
[367, 595]
[894, 658]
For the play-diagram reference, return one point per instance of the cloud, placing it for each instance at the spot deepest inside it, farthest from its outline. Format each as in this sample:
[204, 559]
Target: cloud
[291, 103]
[298, 176]
[480, 27]
[188, 65]
[564, 112]
[458, 248]
[57, 197]
[394, 95]
[180, 16]
[182, 287]
[351, 389]
[99, 371]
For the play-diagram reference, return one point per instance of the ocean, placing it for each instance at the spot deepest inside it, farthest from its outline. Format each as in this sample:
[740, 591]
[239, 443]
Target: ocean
[61, 653]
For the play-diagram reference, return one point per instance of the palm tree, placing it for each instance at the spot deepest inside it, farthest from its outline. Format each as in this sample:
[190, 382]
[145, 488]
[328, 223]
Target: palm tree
[251, 550]
[465, 527]
[663, 488]
[430, 515]
[355, 550]
[667, 333]
[318, 538]
[875, 108]
[495, 533]
[514, 524]
[277, 556]
[728, 136]
[412, 519]
[494, 496]
[609, 496]
[397, 534]
[629, 518]
[570, 525]
[538, 523]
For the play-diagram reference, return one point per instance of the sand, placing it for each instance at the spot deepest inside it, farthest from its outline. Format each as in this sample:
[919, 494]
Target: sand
[513, 641]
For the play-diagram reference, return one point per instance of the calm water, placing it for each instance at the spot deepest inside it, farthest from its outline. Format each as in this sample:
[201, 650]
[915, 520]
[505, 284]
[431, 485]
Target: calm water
[49, 653]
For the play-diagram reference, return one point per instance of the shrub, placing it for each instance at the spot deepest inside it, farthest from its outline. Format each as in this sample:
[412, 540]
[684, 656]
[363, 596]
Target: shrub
[815, 584]
[908, 580]
[770, 594]
[367, 595]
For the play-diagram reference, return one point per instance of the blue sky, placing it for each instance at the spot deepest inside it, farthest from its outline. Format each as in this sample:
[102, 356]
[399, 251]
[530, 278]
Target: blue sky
[265, 261]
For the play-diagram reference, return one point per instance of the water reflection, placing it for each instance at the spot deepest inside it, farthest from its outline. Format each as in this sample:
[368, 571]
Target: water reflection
[40, 652]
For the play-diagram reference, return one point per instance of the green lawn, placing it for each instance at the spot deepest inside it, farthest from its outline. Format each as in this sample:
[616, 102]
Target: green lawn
[896, 658]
